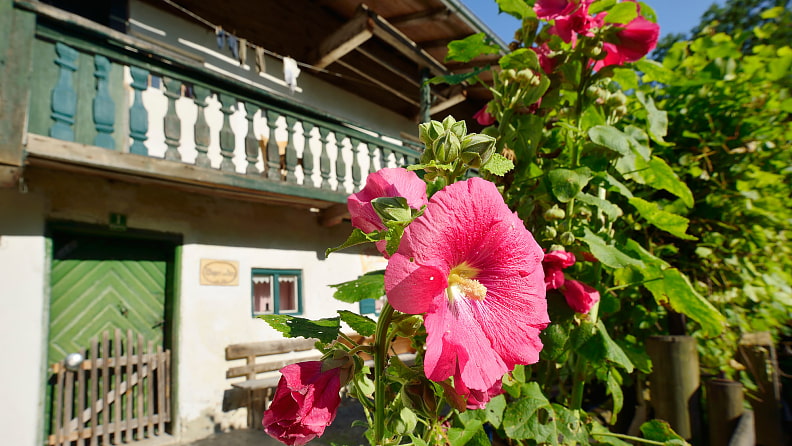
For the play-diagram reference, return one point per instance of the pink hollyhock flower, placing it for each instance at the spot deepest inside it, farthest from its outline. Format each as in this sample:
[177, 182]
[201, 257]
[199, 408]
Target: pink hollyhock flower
[483, 117]
[547, 62]
[579, 296]
[551, 9]
[388, 182]
[553, 263]
[568, 27]
[633, 42]
[305, 403]
[469, 263]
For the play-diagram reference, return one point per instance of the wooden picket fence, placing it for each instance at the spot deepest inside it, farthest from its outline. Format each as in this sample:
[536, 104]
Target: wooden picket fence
[119, 394]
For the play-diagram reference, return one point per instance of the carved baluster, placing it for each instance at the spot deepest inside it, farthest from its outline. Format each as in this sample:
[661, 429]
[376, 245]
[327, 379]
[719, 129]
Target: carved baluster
[64, 98]
[138, 116]
[340, 165]
[291, 151]
[273, 153]
[324, 159]
[356, 172]
[307, 155]
[251, 143]
[372, 150]
[202, 133]
[227, 139]
[103, 105]
[172, 122]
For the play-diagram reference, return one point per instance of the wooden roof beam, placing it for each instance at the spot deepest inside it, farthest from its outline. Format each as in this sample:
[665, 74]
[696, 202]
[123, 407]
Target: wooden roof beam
[420, 17]
[345, 39]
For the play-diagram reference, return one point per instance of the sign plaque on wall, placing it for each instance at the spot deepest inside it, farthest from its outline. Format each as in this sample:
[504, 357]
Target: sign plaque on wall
[219, 272]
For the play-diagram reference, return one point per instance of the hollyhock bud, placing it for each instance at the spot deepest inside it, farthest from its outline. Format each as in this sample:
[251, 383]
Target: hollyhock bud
[579, 296]
[483, 117]
[305, 402]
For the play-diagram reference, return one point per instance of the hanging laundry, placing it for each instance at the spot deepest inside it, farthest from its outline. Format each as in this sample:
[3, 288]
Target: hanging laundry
[220, 34]
[233, 45]
[290, 73]
[260, 67]
[242, 51]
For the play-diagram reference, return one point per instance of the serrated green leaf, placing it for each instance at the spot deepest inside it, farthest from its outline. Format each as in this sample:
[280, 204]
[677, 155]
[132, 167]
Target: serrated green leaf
[658, 119]
[655, 72]
[326, 330]
[600, 5]
[600, 347]
[519, 59]
[615, 391]
[494, 410]
[498, 165]
[626, 77]
[534, 417]
[362, 325]
[368, 286]
[608, 254]
[622, 13]
[603, 435]
[566, 184]
[675, 225]
[358, 237]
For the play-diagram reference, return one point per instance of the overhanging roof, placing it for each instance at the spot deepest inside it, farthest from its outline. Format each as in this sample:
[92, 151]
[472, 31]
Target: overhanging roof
[377, 49]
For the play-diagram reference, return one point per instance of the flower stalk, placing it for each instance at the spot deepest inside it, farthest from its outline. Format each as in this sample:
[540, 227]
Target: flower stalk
[381, 343]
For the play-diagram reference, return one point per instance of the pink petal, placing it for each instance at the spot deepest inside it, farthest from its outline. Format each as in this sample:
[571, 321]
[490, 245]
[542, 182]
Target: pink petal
[413, 288]
[579, 296]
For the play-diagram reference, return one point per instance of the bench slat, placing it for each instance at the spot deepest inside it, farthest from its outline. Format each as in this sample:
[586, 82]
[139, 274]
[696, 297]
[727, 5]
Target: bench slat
[261, 367]
[256, 384]
[263, 348]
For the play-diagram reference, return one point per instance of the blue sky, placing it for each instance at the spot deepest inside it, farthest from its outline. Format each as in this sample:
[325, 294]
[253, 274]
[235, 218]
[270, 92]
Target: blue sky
[674, 16]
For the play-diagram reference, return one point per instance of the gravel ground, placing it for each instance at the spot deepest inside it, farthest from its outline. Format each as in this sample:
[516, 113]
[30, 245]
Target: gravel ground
[340, 433]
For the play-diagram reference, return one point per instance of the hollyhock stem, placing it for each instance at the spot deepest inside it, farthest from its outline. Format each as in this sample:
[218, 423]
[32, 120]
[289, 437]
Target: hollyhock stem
[381, 342]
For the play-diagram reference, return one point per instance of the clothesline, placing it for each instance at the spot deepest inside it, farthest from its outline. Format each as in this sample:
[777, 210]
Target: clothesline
[258, 50]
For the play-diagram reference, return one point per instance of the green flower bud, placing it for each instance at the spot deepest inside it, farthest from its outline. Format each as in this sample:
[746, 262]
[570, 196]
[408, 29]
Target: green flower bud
[554, 213]
[428, 132]
[448, 122]
[549, 233]
[567, 238]
[459, 128]
[620, 111]
[477, 149]
[616, 99]
[525, 76]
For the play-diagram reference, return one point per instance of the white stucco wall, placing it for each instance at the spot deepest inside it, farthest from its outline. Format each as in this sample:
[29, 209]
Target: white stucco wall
[208, 318]
[22, 316]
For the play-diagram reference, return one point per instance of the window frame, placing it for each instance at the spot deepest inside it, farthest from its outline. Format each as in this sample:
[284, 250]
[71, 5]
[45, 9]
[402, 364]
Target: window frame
[275, 274]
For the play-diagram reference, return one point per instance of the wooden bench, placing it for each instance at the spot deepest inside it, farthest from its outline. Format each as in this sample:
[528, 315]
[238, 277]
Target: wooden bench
[263, 357]
[266, 357]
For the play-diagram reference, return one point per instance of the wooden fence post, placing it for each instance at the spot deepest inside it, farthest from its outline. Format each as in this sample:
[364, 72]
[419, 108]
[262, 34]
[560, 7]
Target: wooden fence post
[674, 383]
[724, 409]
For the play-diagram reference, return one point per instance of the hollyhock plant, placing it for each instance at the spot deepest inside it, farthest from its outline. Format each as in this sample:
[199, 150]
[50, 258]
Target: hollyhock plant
[579, 22]
[470, 265]
[388, 182]
[305, 402]
[483, 117]
[551, 9]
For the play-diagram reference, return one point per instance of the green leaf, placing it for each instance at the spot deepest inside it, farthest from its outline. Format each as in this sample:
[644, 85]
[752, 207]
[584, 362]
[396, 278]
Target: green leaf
[358, 237]
[608, 254]
[660, 175]
[522, 58]
[362, 325]
[611, 210]
[603, 435]
[675, 225]
[516, 8]
[600, 5]
[610, 137]
[658, 119]
[659, 430]
[392, 209]
[470, 47]
[533, 417]
[626, 77]
[326, 330]
[622, 13]
[494, 410]
[601, 347]
[368, 286]
[655, 72]
[498, 165]
[455, 79]
[404, 422]
[566, 184]
[614, 389]
[670, 287]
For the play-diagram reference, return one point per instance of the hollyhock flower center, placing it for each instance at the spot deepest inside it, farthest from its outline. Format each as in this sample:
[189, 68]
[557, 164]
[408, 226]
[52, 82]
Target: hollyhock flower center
[462, 283]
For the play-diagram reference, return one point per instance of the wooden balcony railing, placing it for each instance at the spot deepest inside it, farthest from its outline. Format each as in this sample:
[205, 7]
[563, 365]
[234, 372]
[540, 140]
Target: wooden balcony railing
[110, 101]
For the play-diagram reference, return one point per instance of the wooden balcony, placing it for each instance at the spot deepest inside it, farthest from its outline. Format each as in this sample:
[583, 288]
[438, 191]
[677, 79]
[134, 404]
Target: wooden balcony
[109, 104]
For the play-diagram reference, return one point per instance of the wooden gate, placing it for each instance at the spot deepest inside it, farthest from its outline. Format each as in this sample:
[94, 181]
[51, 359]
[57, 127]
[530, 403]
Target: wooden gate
[119, 393]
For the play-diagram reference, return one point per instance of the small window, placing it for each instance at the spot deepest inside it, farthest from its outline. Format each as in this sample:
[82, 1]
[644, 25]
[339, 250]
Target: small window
[276, 291]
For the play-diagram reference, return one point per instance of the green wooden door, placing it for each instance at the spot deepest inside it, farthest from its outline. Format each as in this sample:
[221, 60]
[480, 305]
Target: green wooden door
[100, 283]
